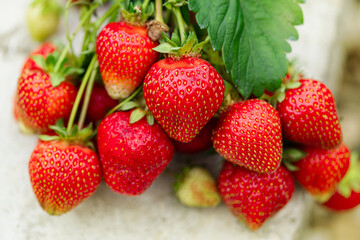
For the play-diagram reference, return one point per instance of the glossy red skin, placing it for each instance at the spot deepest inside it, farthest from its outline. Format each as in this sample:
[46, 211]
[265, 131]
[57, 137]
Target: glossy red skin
[340, 203]
[125, 55]
[201, 142]
[63, 175]
[100, 103]
[44, 50]
[249, 135]
[321, 170]
[132, 155]
[308, 115]
[39, 104]
[254, 197]
[183, 95]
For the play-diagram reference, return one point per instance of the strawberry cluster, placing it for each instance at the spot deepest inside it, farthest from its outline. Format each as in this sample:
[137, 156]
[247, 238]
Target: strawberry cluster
[150, 98]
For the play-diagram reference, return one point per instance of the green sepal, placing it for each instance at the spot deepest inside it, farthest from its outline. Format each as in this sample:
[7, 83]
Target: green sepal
[150, 119]
[351, 180]
[291, 155]
[137, 12]
[136, 115]
[292, 85]
[56, 79]
[129, 105]
[40, 61]
[48, 138]
[174, 47]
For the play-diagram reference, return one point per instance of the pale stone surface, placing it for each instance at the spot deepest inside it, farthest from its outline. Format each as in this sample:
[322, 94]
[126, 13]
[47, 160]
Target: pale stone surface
[156, 214]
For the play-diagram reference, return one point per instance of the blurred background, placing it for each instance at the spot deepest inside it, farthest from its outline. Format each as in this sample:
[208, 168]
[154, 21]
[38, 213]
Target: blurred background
[328, 49]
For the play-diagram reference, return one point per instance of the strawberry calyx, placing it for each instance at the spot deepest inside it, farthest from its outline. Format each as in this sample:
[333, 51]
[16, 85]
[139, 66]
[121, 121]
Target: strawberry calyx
[290, 81]
[351, 181]
[137, 13]
[49, 63]
[231, 96]
[75, 136]
[175, 48]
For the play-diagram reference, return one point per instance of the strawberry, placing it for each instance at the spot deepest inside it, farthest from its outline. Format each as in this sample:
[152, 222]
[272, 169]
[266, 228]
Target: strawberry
[63, 175]
[183, 94]
[125, 54]
[195, 187]
[42, 18]
[201, 142]
[308, 115]
[39, 104]
[320, 171]
[254, 197]
[132, 155]
[100, 103]
[249, 135]
[347, 195]
[44, 50]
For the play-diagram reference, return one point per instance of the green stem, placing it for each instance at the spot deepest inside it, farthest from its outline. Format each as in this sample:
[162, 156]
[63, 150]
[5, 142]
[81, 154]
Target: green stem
[85, 104]
[80, 93]
[159, 11]
[124, 101]
[78, 28]
[105, 16]
[145, 4]
[181, 23]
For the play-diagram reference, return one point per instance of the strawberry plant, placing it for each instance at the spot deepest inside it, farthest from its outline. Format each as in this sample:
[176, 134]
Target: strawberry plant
[158, 76]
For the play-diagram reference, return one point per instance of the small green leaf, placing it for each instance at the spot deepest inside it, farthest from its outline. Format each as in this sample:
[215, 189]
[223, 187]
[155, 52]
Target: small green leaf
[163, 48]
[280, 97]
[40, 61]
[165, 38]
[150, 119]
[50, 61]
[71, 70]
[293, 154]
[190, 41]
[291, 167]
[176, 38]
[136, 115]
[128, 106]
[198, 47]
[292, 85]
[56, 79]
[48, 138]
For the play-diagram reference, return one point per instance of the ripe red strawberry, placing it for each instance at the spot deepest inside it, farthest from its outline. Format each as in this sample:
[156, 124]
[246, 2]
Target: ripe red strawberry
[254, 197]
[183, 95]
[125, 54]
[100, 103]
[63, 175]
[338, 202]
[201, 142]
[347, 195]
[132, 155]
[249, 135]
[308, 115]
[44, 50]
[320, 171]
[39, 104]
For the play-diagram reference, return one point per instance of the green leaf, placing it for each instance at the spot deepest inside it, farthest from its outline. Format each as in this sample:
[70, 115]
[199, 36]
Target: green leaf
[163, 48]
[48, 138]
[56, 79]
[136, 115]
[292, 85]
[190, 41]
[128, 106]
[40, 61]
[71, 70]
[176, 38]
[150, 119]
[253, 37]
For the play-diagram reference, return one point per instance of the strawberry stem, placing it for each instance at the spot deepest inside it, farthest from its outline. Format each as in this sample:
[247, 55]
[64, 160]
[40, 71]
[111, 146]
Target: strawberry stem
[80, 93]
[83, 19]
[181, 23]
[89, 89]
[159, 11]
[134, 94]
